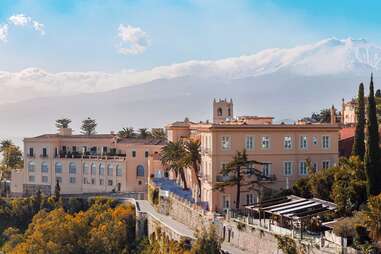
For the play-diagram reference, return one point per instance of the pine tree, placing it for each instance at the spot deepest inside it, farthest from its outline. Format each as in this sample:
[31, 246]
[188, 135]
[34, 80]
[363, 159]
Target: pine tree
[359, 144]
[372, 154]
[88, 126]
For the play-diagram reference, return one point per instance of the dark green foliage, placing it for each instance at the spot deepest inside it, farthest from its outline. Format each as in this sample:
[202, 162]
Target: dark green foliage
[378, 93]
[63, 123]
[359, 141]
[88, 126]
[301, 188]
[372, 155]
[57, 191]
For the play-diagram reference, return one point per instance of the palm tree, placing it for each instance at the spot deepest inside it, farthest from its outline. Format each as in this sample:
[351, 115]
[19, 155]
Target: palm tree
[193, 159]
[127, 132]
[173, 158]
[239, 172]
[63, 123]
[158, 133]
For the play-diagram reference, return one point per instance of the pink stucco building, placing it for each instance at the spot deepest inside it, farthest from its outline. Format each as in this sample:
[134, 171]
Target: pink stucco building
[86, 163]
[285, 147]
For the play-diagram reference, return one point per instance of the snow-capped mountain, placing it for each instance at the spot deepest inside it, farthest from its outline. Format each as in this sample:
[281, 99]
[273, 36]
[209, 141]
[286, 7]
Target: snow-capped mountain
[284, 83]
[326, 57]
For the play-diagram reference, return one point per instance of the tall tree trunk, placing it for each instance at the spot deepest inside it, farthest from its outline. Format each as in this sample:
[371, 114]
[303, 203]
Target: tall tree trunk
[182, 175]
[195, 168]
[238, 198]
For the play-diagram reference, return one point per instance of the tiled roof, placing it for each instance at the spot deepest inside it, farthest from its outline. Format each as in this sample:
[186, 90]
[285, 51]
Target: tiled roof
[148, 141]
[100, 136]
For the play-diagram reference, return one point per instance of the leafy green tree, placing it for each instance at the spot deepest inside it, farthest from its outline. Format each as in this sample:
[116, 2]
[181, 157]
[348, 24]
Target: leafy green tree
[240, 172]
[378, 93]
[301, 187]
[207, 242]
[372, 155]
[4, 144]
[63, 123]
[88, 126]
[371, 217]
[159, 133]
[127, 132]
[359, 140]
[193, 160]
[173, 157]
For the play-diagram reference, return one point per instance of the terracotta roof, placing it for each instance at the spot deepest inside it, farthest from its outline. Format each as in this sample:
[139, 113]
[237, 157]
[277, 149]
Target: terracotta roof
[347, 132]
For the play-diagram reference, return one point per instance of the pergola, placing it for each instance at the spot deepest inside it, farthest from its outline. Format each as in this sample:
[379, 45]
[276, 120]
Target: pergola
[290, 212]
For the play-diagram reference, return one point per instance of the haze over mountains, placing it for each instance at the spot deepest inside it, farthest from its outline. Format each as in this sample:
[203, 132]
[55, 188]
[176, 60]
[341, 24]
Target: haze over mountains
[285, 83]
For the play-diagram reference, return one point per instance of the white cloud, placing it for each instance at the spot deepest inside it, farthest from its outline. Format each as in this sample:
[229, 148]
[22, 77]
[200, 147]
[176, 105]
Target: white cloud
[38, 27]
[3, 32]
[20, 20]
[133, 40]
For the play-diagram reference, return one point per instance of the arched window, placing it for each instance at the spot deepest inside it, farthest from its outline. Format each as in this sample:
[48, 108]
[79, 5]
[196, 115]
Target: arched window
[72, 168]
[219, 111]
[118, 170]
[93, 169]
[85, 168]
[109, 170]
[44, 167]
[101, 169]
[31, 166]
[58, 167]
[139, 170]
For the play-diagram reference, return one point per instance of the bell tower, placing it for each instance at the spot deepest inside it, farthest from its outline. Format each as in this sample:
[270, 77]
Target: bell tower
[222, 110]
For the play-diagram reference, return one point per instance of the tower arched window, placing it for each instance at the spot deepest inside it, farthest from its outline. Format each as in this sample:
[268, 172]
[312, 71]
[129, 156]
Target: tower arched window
[140, 170]
[72, 168]
[109, 170]
[219, 111]
[85, 168]
[31, 166]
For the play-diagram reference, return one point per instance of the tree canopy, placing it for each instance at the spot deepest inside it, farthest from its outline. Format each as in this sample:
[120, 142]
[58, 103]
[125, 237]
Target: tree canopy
[88, 126]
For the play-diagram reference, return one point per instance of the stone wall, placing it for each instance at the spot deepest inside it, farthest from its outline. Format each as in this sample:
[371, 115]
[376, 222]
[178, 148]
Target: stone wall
[185, 212]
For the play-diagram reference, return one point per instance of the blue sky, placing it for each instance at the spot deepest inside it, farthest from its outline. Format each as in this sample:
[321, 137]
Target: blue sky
[82, 35]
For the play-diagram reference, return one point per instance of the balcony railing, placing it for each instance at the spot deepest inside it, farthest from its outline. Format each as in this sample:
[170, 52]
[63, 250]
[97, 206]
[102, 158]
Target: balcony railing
[88, 155]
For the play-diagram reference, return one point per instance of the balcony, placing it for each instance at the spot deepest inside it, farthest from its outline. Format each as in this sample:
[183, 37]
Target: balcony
[89, 155]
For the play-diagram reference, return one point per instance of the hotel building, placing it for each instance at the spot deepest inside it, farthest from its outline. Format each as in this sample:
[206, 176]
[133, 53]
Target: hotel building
[86, 164]
[285, 148]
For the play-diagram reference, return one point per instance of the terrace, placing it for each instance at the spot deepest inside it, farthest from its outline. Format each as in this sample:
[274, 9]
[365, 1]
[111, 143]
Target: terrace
[293, 216]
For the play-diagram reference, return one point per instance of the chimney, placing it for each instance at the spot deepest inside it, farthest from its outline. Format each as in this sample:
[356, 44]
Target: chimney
[333, 115]
[65, 131]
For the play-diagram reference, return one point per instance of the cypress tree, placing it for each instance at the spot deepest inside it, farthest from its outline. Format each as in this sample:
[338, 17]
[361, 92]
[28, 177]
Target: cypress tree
[372, 154]
[358, 148]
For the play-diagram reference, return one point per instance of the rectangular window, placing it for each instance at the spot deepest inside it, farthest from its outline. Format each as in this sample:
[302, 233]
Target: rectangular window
[133, 154]
[303, 168]
[44, 152]
[59, 179]
[226, 143]
[92, 180]
[101, 181]
[325, 142]
[104, 149]
[325, 164]
[287, 167]
[31, 152]
[266, 169]
[32, 179]
[265, 144]
[303, 142]
[146, 154]
[85, 180]
[109, 182]
[287, 143]
[314, 140]
[249, 143]
[249, 199]
[118, 171]
[315, 167]
[44, 179]
[72, 179]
